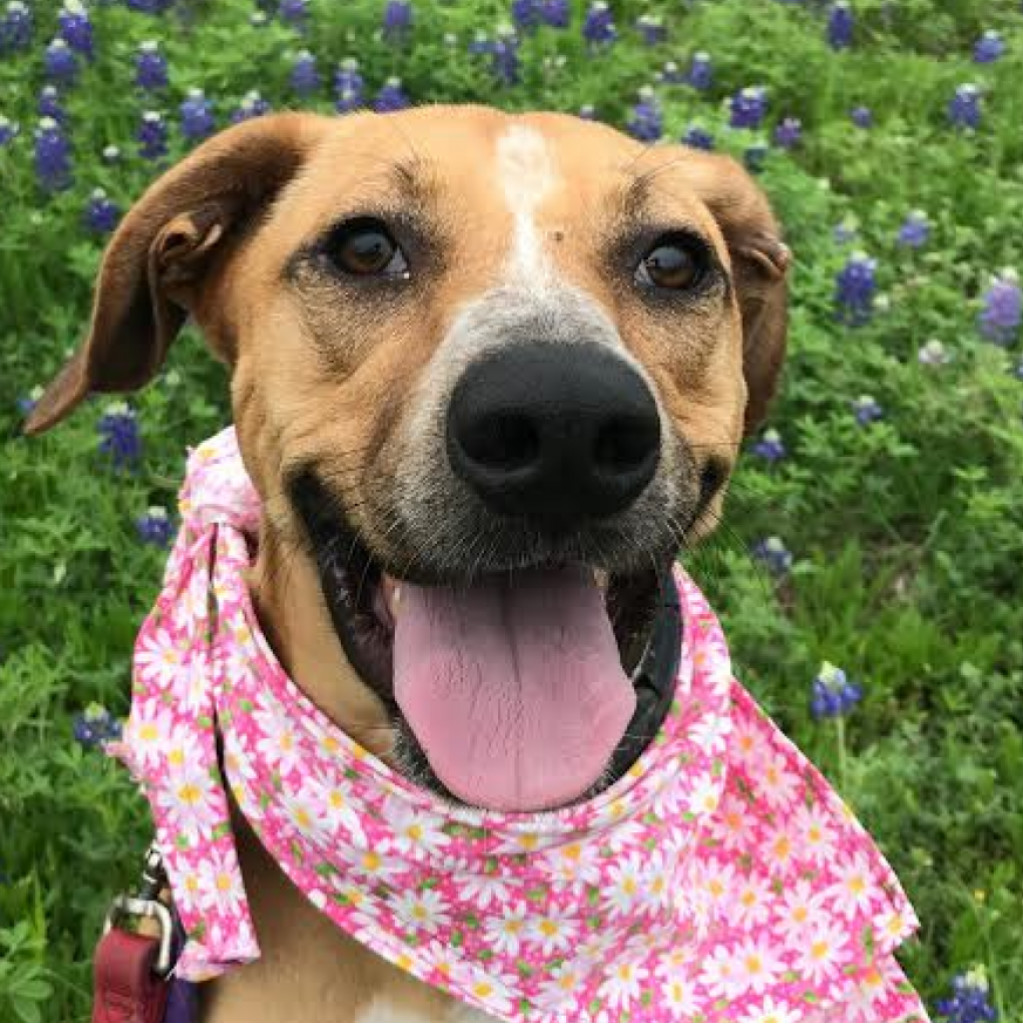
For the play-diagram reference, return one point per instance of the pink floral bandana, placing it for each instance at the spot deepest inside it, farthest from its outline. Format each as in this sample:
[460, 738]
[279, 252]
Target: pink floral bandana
[721, 879]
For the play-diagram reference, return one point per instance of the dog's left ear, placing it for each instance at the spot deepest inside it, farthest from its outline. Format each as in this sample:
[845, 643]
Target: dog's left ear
[760, 260]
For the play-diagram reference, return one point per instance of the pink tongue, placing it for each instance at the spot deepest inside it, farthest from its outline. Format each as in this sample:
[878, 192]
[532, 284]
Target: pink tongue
[513, 687]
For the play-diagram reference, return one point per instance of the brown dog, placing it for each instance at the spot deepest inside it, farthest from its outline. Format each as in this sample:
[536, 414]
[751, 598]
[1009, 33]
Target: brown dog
[461, 343]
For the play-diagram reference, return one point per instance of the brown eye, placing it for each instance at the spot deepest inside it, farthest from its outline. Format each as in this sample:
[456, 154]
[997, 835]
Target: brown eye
[365, 248]
[675, 263]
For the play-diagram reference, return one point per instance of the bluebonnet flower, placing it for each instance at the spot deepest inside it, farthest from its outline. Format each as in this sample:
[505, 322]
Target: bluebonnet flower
[150, 66]
[349, 87]
[101, 214]
[294, 13]
[15, 27]
[855, 286]
[861, 116]
[251, 105]
[505, 62]
[588, 112]
[119, 436]
[934, 353]
[651, 29]
[773, 553]
[599, 26]
[748, 107]
[832, 693]
[840, 25]
[989, 47]
[526, 14]
[671, 74]
[155, 526]
[52, 156]
[26, 403]
[152, 135]
[259, 19]
[76, 28]
[647, 121]
[391, 97]
[8, 130]
[697, 137]
[196, 116]
[59, 63]
[770, 447]
[150, 6]
[788, 132]
[95, 726]
[701, 71]
[111, 154]
[49, 104]
[866, 409]
[305, 77]
[397, 20]
[915, 230]
[755, 157]
[999, 321]
[556, 13]
[964, 107]
[969, 999]
[844, 233]
[1018, 372]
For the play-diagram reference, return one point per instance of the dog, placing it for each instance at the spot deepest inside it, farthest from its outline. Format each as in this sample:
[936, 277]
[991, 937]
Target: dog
[463, 345]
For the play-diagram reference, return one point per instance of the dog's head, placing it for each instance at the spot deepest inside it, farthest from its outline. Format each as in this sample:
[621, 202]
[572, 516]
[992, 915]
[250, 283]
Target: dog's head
[489, 373]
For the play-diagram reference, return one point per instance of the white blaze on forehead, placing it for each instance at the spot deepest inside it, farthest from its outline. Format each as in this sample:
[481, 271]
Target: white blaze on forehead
[526, 174]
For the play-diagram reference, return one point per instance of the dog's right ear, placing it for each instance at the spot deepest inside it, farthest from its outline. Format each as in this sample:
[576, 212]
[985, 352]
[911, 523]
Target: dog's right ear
[154, 268]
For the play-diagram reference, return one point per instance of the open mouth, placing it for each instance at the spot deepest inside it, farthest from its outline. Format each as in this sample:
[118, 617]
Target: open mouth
[515, 691]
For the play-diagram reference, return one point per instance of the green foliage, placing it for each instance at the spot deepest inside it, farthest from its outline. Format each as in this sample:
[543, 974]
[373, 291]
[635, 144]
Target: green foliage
[907, 534]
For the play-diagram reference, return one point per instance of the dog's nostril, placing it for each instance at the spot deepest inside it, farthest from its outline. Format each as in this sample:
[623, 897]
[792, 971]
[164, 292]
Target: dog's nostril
[625, 443]
[503, 441]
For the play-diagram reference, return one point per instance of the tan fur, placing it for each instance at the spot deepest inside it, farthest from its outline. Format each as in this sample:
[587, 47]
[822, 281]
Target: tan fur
[316, 372]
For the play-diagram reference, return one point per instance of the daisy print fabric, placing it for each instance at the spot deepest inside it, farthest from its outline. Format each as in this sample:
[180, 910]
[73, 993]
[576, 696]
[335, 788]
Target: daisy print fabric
[721, 879]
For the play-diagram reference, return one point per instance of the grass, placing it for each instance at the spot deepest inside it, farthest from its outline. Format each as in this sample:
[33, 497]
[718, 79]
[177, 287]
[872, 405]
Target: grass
[907, 533]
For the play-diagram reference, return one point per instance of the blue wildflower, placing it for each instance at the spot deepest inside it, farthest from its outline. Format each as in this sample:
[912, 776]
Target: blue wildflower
[150, 6]
[862, 117]
[101, 214]
[647, 121]
[771, 551]
[111, 154]
[505, 60]
[15, 28]
[8, 130]
[76, 28]
[964, 107]
[866, 409]
[748, 107]
[26, 403]
[701, 71]
[150, 66]
[95, 726]
[840, 25]
[844, 233]
[119, 435]
[305, 77]
[397, 20]
[251, 105]
[294, 13]
[59, 63]
[391, 97]
[196, 112]
[651, 29]
[349, 87]
[49, 104]
[599, 26]
[770, 447]
[788, 133]
[933, 353]
[588, 112]
[915, 230]
[152, 135]
[671, 74]
[697, 137]
[999, 320]
[259, 19]
[155, 526]
[526, 14]
[969, 999]
[832, 693]
[52, 156]
[556, 13]
[855, 287]
[989, 47]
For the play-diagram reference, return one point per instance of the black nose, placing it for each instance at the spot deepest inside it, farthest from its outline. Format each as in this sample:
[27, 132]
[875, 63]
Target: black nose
[559, 433]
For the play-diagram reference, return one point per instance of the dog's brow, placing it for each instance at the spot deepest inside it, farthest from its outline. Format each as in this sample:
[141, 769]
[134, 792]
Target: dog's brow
[412, 178]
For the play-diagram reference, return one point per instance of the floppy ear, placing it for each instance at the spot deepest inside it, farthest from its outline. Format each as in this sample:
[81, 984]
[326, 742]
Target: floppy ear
[158, 260]
[759, 263]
